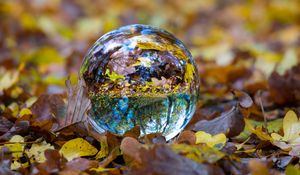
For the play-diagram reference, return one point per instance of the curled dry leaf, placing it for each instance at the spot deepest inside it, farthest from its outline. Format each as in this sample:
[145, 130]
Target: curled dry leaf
[231, 123]
[78, 103]
[130, 147]
[244, 99]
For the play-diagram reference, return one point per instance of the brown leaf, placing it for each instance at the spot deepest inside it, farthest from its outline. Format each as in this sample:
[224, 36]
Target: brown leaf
[48, 108]
[231, 123]
[5, 125]
[78, 103]
[54, 163]
[130, 147]
[187, 137]
[258, 168]
[286, 89]
[153, 138]
[113, 141]
[80, 164]
[161, 160]
[244, 99]
[20, 127]
[134, 132]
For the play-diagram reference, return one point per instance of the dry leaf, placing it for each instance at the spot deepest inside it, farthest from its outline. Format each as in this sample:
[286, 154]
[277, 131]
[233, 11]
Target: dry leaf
[77, 148]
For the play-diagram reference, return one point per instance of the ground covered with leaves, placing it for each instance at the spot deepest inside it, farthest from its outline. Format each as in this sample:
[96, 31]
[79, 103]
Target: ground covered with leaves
[247, 119]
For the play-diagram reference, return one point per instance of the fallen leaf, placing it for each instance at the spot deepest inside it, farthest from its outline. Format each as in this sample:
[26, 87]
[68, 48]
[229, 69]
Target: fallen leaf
[104, 170]
[20, 127]
[291, 130]
[47, 109]
[53, 164]
[231, 123]
[78, 104]
[77, 148]
[5, 162]
[285, 90]
[80, 164]
[36, 152]
[244, 99]
[25, 111]
[187, 137]
[156, 159]
[217, 141]
[272, 126]
[198, 153]
[104, 150]
[292, 170]
[16, 148]
[258, 131]
[130, 147]
[258, 168]
[5, 125]
[8, 79]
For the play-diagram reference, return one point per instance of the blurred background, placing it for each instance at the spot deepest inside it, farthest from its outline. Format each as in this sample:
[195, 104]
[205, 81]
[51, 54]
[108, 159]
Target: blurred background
[42, 42]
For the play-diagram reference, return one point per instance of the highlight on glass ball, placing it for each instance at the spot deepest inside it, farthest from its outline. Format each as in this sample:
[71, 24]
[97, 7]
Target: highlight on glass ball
[139, 75]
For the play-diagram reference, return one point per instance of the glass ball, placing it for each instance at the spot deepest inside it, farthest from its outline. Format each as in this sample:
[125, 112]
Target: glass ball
[140, 75]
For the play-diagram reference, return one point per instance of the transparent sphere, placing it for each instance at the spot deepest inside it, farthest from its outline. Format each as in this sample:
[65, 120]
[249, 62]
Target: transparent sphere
[140, 75]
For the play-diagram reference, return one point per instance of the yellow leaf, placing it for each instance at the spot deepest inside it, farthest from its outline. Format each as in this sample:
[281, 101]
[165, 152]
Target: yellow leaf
[276, 137]
[36, 152]
[217, 141]
[15, 165]
[16, 148]
[76, 148]
[25, 111]
[292, 170]
[198, 153]
[104, 150]
[16, 91]
[101, 169]
[257, 131]
[29, 102]
[291, 129]
[14, 107]
[8, 79]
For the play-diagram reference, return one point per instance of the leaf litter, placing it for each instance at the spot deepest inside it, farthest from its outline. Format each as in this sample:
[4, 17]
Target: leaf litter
[247, 119]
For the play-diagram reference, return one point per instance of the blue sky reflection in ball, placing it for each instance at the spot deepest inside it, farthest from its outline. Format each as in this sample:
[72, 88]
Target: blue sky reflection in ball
[140, 75]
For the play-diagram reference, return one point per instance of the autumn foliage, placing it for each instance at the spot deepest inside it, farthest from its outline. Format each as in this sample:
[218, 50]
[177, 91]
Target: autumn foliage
[247, 119]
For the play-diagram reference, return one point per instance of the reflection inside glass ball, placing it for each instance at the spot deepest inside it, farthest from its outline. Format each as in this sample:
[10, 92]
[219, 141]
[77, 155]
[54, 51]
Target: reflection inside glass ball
[140, 75]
